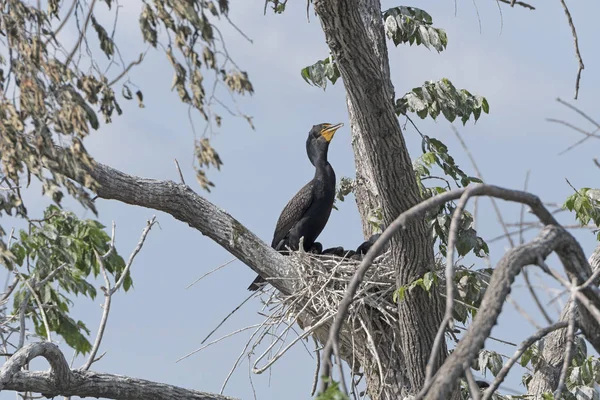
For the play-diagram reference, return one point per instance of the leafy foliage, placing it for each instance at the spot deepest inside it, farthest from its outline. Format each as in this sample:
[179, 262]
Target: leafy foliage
[488, 361]
[426, 283]
[413, 25]
[435, 153]
[333, 392]
[470, 289]
[586, 205]
[582, 376]
[343, 189]
[59, 94]
[320, 72]
[441, 96]
[56, 256]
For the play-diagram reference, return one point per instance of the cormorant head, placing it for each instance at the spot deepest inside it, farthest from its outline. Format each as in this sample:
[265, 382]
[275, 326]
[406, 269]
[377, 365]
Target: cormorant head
[318, 141]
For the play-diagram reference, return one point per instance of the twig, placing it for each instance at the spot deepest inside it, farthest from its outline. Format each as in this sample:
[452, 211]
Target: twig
[81, 35]
[40, 306]
[569, 344]
[109, 291]
[104, 319]
[439, 337]
[127, 69]
[578, 111]
[210, 272]
[179, 170]
[238, 29]
[22, 331]
[519, 3]
[503, 223]
[523, 312]
[522, 348]
[227, 317]
[473, 387]
[218, 340]
[576, 43]
[137, 249]
[317, 369]
[64, 21]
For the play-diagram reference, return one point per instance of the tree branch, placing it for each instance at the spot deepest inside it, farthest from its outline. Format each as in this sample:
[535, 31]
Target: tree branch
[184, 204]
[551, 238]
[62, 381]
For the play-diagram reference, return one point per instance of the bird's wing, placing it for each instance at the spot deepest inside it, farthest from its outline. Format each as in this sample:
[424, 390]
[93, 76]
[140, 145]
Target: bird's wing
[293, 212]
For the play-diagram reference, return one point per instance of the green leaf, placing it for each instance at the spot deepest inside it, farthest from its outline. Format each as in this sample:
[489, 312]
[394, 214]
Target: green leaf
[413, 25]
[332, 392]
[320, 72]
[441, 96]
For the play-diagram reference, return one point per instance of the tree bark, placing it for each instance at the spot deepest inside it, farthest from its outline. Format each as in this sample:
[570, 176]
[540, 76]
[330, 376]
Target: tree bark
[60, 380]
[552, 348]
[553, 238]
[385, 177]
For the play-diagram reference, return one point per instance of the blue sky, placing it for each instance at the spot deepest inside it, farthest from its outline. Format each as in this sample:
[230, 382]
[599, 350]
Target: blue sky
[521, 61]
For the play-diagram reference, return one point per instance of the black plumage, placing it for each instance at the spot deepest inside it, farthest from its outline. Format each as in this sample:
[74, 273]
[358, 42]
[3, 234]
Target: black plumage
[306, 214]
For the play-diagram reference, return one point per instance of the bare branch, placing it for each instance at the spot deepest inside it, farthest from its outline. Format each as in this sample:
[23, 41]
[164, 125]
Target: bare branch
[126, 70]
[578, 111]
[568, 347]
[81, 34]
[135, 252]
[448, 313]
[551, 238]
[576, 43]
[519, 3]
[62, 381]
[522, 348]
[401, 222]
[473, 388]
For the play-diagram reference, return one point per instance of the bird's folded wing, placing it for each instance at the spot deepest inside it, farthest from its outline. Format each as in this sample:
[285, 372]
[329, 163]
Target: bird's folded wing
[293, 213]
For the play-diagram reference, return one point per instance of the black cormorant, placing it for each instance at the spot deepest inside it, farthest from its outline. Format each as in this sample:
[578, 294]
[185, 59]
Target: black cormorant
[306, 214]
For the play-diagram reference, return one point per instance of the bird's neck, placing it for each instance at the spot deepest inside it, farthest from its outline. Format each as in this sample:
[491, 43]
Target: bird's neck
[324, 171]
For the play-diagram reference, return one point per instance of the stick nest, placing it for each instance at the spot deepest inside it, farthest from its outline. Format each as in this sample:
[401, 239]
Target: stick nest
[320, 286]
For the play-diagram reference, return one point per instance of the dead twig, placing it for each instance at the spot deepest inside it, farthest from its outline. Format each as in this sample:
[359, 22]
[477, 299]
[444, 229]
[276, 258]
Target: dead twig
[576, 43]
[527, 343]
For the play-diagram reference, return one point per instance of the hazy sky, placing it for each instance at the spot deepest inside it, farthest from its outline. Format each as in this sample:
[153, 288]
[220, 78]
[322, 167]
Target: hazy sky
[520, 60]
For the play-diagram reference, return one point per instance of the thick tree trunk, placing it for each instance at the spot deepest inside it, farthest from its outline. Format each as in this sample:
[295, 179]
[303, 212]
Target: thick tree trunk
[385, 177]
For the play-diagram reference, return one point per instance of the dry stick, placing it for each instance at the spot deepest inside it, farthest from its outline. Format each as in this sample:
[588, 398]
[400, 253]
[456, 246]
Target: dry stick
[473, 388]
[521, 311]
[575, 291]
[127, 69]
[104, 318]
[81, 35]
[519, 3]
[439, 337]
[210, 272]
[578, 111]
[569, 347]
[317, 369]
[40, 306]
[135, 252]
[64, 21]
[220, 339]
[587, 134]
[526, 344]
[227, 317]
[576, 43]
[575, 128]
[108, 291]
[403, 219]
[180, 173]
[503, 223]
[22, 320]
